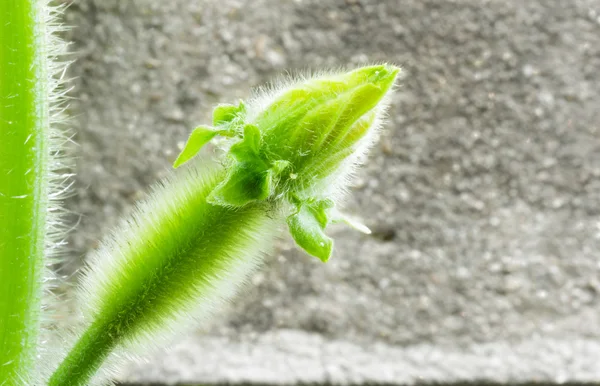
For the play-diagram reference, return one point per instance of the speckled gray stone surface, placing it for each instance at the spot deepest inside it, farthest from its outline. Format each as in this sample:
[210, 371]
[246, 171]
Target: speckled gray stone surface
[483, 192]
[293, 357]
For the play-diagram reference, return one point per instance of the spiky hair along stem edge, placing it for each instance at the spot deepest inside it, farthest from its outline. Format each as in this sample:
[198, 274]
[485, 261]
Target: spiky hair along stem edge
[170, 265]
[33, 178]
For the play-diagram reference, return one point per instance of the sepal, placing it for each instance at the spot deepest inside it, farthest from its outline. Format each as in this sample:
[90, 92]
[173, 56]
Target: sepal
[248, 149]
[226, 114]
[199, 137]
[307, 227]
[249, 181]
[252, 178]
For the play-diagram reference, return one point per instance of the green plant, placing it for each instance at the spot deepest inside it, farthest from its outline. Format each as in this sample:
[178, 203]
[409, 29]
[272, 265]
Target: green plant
[30, 179]
[286, 157]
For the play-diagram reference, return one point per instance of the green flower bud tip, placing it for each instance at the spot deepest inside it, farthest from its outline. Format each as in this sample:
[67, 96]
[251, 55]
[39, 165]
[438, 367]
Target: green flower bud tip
[298, 144]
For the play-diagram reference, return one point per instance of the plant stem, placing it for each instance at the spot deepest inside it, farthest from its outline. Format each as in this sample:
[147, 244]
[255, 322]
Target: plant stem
[173, 256]
[24, 134]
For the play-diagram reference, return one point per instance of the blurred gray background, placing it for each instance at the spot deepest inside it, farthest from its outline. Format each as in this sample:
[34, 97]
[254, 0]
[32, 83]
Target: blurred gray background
[483, 192]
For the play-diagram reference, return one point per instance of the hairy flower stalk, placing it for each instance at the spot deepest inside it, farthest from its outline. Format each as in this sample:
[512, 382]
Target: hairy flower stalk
[29, 186]
[287, 156]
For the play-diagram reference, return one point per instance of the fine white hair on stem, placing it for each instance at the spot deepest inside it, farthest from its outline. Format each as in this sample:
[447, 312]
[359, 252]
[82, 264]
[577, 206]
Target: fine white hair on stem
[52, 102]
[140, 246]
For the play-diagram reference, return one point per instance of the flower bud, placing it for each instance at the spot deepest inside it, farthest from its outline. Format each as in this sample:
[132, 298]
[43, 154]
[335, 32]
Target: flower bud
[297, 144]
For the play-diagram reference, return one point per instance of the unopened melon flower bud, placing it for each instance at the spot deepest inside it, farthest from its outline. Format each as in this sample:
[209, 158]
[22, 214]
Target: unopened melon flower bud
[298, 144]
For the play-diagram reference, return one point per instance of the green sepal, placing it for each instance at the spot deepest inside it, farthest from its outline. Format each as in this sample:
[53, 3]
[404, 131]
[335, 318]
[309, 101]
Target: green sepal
[249, 181]
[226, 114]
[307, 227]
[248, 149]
[198, 138]
[252, 178]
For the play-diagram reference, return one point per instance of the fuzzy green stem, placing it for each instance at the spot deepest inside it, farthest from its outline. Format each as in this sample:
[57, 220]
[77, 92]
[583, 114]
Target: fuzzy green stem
[190, 257]
[203, 230]
[23, 184]
[85, 358]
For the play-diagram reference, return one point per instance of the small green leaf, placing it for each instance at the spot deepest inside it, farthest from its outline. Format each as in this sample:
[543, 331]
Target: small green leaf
[225, 114]
[306, 227]
[248, 149]
[199, 137]
[248, 182]
[320, 209]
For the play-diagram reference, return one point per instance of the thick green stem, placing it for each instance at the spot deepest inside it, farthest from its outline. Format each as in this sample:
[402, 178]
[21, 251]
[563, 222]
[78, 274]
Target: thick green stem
[179, 257]
[23, 184]
[85, 358]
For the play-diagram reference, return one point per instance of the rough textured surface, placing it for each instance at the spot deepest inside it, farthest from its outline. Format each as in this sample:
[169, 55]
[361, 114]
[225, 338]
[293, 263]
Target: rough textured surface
[292, 357]
[484, 191]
